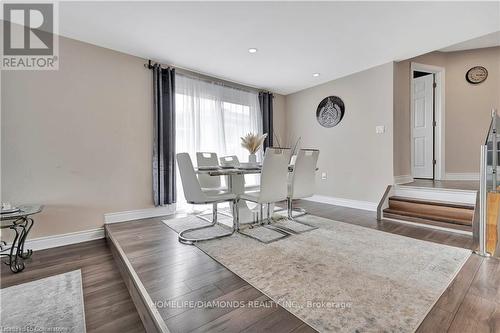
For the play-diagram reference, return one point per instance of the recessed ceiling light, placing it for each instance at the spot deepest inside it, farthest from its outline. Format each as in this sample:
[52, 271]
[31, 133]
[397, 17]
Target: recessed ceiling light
[315, 74]
[252, 50]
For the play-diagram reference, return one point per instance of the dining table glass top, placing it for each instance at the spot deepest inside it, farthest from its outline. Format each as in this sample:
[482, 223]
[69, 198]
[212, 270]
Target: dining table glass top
[228, 171]
[22, 211]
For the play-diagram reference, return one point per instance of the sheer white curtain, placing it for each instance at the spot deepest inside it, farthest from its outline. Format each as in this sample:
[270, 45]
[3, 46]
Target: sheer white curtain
[211, 117]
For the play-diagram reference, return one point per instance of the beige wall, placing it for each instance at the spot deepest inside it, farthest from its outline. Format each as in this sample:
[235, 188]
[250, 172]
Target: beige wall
[467, 107]
[358, 162]
[78, 140]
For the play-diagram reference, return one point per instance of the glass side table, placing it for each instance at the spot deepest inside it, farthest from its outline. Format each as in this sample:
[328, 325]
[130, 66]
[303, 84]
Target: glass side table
[20, 223]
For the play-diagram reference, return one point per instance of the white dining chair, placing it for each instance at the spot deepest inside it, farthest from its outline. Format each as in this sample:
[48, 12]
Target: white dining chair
[302, 180]
[210, 184]
[196, 196]
[229, 161]
[273, 182]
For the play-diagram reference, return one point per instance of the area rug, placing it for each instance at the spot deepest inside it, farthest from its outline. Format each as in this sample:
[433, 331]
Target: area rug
[342, 277]
[53, 304]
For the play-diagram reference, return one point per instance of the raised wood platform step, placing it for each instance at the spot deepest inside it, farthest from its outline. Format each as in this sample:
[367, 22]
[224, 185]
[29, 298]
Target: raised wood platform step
[170, 283]
[432, 212]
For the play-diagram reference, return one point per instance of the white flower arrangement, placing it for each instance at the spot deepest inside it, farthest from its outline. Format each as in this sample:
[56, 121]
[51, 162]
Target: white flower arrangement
[252, 142]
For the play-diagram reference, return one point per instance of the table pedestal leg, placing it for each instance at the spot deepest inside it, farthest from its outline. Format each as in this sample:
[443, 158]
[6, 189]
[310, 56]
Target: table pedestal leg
[16, 253]
[237, 186]
[14, 261]
[26, 227]
[247, 216]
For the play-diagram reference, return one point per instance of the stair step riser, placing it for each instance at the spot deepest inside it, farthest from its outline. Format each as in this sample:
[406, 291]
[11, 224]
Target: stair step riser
[460, 227]
[451, 221]
[438, 211]
[433, 202]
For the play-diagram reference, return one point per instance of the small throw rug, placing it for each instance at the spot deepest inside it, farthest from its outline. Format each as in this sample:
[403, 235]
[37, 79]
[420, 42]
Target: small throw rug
[342, 277]
[52, 304]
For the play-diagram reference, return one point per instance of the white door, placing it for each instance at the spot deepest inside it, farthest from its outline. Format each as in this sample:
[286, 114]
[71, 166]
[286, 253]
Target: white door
[422, 118]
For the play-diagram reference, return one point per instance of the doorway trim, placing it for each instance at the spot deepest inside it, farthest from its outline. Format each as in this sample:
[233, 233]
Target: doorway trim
[439, 110]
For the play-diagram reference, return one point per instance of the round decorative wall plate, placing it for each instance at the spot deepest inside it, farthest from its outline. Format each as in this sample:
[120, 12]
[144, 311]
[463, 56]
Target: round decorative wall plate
[476, 74]
[330, 111]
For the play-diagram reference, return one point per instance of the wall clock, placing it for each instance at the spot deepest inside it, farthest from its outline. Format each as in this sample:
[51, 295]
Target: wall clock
[476, 74]
[330, 111]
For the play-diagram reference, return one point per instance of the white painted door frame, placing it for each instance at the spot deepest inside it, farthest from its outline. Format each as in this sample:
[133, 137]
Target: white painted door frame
[439, 110]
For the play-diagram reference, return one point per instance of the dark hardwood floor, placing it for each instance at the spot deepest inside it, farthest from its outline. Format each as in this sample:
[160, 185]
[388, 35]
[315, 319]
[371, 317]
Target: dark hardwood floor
[175, 273]
[108, 306]
[472, 301]
[368, 219]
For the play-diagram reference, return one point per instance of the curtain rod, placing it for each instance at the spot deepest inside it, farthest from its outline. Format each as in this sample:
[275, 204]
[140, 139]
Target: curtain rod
[149, 65]
[211, 79]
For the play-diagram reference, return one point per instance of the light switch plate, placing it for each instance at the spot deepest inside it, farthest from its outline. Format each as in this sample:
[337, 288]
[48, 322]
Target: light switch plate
[323, 175]
[380, 129]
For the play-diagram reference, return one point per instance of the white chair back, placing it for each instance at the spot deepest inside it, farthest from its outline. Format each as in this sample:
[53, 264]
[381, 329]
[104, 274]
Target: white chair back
[208, 160]
[190, 183]
[230, 161]
[273, 179]
[304, 174]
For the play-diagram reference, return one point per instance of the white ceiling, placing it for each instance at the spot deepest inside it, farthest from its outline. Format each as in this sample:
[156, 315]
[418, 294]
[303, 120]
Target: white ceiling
[294, 39]
[489, 40]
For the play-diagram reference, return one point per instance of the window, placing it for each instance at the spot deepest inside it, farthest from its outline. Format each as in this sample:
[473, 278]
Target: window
[211, 117]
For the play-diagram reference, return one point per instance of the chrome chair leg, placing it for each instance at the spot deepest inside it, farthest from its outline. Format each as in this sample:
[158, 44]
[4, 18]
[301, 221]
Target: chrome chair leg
[284, 233]
[236, 215]
[269, 217]
[214, 214]
[262, 223]
[301, 211]
[290, 211]
[202, 215]
[190, 241]
[289, 208]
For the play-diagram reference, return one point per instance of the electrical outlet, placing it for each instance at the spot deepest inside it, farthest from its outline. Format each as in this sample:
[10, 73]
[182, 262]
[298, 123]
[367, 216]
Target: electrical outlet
[323, 176]
[380, 129]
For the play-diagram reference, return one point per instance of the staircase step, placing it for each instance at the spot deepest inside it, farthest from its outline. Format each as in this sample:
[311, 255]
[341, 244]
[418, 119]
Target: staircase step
[388, 214]
[437, 195]
[429, 216]
[433, 202]
[433, 210]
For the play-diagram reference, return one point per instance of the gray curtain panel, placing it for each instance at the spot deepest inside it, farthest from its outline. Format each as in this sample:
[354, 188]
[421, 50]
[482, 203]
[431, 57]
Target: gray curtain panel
[266, 107]
[164, 187]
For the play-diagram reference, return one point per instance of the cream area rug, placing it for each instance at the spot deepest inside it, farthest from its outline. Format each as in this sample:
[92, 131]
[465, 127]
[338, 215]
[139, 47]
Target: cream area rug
[53, 304]
[342, 277]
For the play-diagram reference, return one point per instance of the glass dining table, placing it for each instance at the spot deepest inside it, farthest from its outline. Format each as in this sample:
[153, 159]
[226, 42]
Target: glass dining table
[20, 222]
[235, 181]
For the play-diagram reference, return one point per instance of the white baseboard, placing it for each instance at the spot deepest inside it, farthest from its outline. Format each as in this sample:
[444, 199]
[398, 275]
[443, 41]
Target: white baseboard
[403, 179]
[364, 205]
[48, 242]
[462, 176]
[139, 214]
